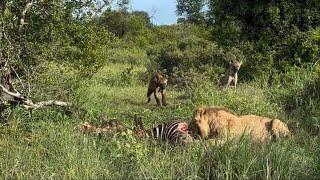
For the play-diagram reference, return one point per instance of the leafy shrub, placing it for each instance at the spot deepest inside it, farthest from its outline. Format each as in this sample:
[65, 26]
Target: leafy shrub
[298, 95]
[54, 80]
[87, 47]
[301, 48]
[192, 55]
[187, 54]
[133, 56]
[259, 61]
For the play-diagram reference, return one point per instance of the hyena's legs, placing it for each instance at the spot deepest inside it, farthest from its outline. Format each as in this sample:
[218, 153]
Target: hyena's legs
[225, 82]
[156, 97]
[164, 98]
[235, 79]
[233, 82]
[149, 93]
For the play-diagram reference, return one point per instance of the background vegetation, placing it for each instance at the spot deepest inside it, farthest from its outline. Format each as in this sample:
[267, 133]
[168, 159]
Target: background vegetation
[101, 58]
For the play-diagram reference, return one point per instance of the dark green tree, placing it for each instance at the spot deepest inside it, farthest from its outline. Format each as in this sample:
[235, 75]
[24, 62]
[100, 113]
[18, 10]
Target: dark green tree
[191, 10]
[121, 23]
[33, 31]
[281, 27]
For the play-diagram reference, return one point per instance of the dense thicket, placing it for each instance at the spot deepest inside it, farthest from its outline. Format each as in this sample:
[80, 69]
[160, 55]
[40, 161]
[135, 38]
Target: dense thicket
[273, 35]
[191, 11]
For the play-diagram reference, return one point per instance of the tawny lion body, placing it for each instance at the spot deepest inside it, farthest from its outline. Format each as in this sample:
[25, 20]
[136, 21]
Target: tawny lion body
[230, 77]
[157, 81]
[213, 122]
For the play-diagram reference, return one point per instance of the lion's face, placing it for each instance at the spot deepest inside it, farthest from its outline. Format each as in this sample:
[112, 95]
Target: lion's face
[199, 125]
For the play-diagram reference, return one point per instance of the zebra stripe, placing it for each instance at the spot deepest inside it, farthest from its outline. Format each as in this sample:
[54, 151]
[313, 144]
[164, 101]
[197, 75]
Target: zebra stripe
[171, 132]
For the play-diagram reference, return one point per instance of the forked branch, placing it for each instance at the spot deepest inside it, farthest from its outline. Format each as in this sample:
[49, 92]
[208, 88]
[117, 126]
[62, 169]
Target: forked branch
[27, 103]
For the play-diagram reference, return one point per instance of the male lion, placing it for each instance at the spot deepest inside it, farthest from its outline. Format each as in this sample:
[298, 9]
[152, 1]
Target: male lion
[230, 75]
[220, 122]
[157, 81]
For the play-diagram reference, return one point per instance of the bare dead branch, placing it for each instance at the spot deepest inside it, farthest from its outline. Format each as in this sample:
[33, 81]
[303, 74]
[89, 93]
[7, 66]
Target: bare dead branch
[15, 72]
[49, 103]
[17, 94]
[28, 104]
[23, 14]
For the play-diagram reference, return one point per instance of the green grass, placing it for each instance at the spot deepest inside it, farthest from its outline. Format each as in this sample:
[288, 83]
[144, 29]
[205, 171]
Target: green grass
[47, 143]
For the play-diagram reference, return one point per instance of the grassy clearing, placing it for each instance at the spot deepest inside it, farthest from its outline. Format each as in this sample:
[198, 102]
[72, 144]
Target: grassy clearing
[47, 143]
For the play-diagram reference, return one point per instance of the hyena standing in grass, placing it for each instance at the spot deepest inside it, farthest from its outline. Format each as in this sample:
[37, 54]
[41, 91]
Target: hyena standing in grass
[157, 81]
[230, 76]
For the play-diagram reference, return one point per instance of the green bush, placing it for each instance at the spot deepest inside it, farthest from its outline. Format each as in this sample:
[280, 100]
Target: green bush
[86, 47]
[55, 81]
[299, 49]
[133, 56]
[259, 62]
[183, 59]
[191, 54]
[298, 95]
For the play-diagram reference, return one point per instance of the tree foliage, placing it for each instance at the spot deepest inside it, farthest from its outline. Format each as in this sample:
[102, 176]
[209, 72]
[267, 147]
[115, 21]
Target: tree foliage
[281, 33]
[122, 22]
[280, 26]
[191, 11]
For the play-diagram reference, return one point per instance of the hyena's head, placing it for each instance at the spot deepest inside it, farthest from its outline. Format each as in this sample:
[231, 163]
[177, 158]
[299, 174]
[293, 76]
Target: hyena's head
[162, 82]
[236, 65]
